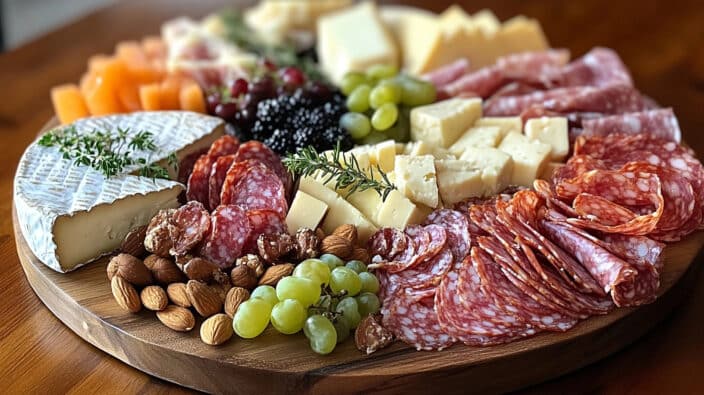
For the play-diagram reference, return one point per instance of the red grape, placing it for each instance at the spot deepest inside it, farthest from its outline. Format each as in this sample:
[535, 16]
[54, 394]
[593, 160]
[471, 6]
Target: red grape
[238, 87]
[292, 76]
[213, 99]
[226, 111]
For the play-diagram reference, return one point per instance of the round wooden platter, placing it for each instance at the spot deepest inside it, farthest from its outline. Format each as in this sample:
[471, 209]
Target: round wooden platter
[275, 363]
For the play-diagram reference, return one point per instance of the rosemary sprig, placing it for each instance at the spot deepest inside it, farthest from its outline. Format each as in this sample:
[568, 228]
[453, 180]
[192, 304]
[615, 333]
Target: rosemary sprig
[109, 153]
[343, 168]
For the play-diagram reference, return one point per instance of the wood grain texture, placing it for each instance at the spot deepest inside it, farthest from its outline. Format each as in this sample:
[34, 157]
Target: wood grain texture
[660, 41]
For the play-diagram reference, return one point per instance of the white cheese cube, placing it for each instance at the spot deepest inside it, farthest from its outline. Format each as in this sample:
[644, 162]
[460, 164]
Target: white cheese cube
[550, 130]
[400, 147]
[496, 167]
[442, 153]
[458, 180]
[506, 124]
[384, 154]
[415, 178]
[441, 124]
[305, 212]
[417, 148]
[529, 157]
[477, 137]
[367, 202]
[550, 169]
[397, 211]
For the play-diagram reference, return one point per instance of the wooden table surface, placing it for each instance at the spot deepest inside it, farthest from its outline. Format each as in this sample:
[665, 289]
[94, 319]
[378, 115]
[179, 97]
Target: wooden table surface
[662, 42]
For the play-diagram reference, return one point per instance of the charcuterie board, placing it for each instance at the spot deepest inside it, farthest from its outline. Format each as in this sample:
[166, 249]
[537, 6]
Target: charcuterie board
[274, 362]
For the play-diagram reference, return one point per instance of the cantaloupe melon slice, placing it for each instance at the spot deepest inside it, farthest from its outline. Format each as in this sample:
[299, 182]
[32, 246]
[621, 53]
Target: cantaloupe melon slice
[149, 97]
[68, 102]
[191, 97]
[169, 93]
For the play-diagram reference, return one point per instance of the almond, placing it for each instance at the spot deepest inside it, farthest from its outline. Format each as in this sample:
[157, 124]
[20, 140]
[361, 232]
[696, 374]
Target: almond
[204, 298]
[132, 269]
[200, 269]
[177, 318]
[133, 242]
[244, 276]
[347, 231]
[360, 254]
[336, 245]
[164, 270]
[320, 233]
[216, 329]
[125, 294]
[273, 274]
[234, 299]
[222, 289]
[154, 298]
[178, 295]
[112, 268]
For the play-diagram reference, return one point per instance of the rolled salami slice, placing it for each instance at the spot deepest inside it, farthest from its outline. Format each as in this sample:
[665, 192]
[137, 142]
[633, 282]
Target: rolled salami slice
[457, 225]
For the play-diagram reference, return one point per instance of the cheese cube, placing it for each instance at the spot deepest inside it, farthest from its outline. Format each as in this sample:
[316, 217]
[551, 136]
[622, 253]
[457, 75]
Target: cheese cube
[458, 180]
[345, 46]
[305, 212]
[486, 22]
[415, 178]
[400, 147]
[384, 154]
[496, 167]
[417, 148]
[529, 157]
[442, 153]
[415, 31]
[477, 137]
[367, 202]
[506, 124]
[550, 169]
[397, 211]
[520, 34]
[550, 130]
[441, 124]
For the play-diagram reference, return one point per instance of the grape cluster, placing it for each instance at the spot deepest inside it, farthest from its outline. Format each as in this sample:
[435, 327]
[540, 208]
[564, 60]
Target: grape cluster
[379, 102]
[325, 297]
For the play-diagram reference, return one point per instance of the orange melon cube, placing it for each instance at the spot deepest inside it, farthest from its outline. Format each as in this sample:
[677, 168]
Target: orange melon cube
[128, 93]
[98, 62]
[101, 92]
[149, 97]
[169, 93]
[68, 102]
[191, 97]
[154, 47]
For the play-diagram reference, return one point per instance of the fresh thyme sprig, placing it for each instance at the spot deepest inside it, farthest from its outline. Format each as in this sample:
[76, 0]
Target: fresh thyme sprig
[343, 168]
[109, 153]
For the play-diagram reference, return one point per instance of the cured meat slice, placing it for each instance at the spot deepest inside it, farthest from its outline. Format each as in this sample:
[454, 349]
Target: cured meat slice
[545, 191]
[188, 226]
[661, 123]
[618, 277]
[428, 272]
[225, 145]
[602, 210]
[391, 244]
[429, 241]
[457, 226]
[255, 150]
[263, 222]
[255, 187]
[447, 73]
[577, 165]
[411, 316]
[599, 67]
[481, 83]
[229, 231]
[515, 105]
[218, 172]
[197, 188]
[185, 166]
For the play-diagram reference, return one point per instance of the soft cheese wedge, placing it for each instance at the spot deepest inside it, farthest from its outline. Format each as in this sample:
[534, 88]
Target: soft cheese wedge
[71, 215]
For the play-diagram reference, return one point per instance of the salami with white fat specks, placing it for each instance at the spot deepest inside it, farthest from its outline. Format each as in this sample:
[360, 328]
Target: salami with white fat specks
[185, 166]
[446, 74]
[598, 67]
[197, 188]
[188, 226]
[255, 150]
[229, 231]
[428, 272]
[225, 145]
[392, 245]
[218, 172]
[457, 226]
[253, 186]
[263, 222]
[660, 123]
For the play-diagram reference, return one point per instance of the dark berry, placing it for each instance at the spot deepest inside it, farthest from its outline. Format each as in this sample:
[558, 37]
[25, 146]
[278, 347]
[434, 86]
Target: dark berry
[226, 111]
[238, 87]
[292, 76]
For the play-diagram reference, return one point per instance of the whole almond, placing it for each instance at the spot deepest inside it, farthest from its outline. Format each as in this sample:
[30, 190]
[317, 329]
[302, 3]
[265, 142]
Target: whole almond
[157, 239]
[243, 276]
[133, 270]
[112, 268]
[273, 274]
[234, 299]
[360, 254]
[125, 294]
[164, 270]
[133, 242]
[200, 269]
[178, 295]
[216, 330]
[336, 245]
[204, 298]
[154, 298]
[222, 289]
[177, 318]
[347, 231]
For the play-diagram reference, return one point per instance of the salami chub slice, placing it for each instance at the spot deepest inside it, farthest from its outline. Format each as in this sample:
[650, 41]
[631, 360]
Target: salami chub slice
[218, 172]
[230, 230]
[225, 145]
[189, 225]
[197, 188]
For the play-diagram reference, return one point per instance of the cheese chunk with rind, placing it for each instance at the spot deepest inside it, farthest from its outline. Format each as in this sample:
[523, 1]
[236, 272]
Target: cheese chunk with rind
[305, 212]
[552, 131]
[441, 124]
[416, 179]
[529, 157]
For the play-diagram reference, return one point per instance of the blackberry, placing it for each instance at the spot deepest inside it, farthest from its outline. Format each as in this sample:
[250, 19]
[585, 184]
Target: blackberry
[281, 141]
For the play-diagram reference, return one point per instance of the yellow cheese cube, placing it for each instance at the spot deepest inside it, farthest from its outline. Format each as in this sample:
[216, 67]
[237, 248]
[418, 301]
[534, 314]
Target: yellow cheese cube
[417, 148]
[477, 137]
[398, 211]
[496, 167]
[414, 30]
[506, 124]
[486, 22]
[520, 34]
[367, 202]
[458, 180]
[415, 178]
[550, 130]
[384, 154]
[529, 157]
[441, 124]
[442, 153]
[305, 212]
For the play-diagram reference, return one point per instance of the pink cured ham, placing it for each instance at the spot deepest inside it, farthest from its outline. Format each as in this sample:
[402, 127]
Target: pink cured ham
[229, 231]
[447, 73]
[661, 123]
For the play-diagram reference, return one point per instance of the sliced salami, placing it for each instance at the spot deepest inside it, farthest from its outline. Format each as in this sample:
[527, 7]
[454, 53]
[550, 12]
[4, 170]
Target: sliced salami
[391, 244]
[457, 226]
[188, 226]
[445, 74]
[599, 209]
[218, 172]
[253, 186]
[263, 222]
[197, 189]
[661, 123]
[255, 150]
[185, 166]
[599, 67]
[230, 230]
[225, 145]
[428, 272]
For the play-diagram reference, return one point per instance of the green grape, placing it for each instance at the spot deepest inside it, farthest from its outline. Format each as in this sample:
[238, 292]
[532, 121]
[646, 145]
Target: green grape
[358, 100]
[351, 81]
[332, 261]
[356, 124]
[345, 278]
[302, 289]
[374, 137]
[321, 334]
[350, 310]
[313, 269]
[417, 93]
[251, 318]
[381, 71]
[267, 293]
[357, 266]
[385, 116]
[368, 303]
[385, 92]
[342, 327]
[288, 316]
[369, 282]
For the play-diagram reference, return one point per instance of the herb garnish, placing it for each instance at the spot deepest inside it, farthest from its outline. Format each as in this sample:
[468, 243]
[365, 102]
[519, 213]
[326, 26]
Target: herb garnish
[343, 168]
[109, 153]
